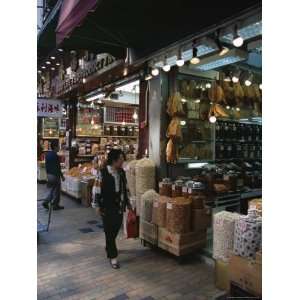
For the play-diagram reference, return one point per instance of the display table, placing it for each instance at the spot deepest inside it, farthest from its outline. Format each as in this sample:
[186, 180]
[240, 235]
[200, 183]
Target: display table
[41, 171]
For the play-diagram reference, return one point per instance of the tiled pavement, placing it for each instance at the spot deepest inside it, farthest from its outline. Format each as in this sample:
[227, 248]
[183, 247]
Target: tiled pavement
[72, 264]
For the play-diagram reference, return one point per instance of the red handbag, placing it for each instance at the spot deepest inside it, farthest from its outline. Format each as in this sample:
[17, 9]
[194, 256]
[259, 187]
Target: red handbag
[132, 225]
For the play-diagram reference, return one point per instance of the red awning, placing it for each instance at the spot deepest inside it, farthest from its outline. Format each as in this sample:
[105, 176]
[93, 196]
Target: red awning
[72, 13]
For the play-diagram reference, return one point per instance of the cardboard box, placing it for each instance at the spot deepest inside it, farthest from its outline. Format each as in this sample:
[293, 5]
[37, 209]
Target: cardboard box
[149, 232]
[181, 244]
[246, 273]
[201, 219]
[222, 275]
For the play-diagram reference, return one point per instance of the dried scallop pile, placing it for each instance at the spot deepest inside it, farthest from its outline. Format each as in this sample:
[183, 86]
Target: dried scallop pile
[130, 175]
[159, 211]
[179, 215]
[223, 234]
[147, 204]
[247, 235]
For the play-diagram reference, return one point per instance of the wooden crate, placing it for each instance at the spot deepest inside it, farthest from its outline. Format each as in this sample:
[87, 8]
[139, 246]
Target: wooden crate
[149, 232]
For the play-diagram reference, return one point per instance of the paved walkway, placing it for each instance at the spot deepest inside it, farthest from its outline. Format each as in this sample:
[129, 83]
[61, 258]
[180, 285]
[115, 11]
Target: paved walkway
[72, 264]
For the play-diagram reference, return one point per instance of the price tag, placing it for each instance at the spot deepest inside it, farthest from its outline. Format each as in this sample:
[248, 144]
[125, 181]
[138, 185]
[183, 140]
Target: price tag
[190, 190]
[155, 204]
[184, 189]
[226, 177]
[173, 187]
[169, 205]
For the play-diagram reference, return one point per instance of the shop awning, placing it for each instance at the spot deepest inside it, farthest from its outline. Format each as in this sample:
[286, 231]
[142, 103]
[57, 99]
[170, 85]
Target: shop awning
[147, 26]
[72, 13]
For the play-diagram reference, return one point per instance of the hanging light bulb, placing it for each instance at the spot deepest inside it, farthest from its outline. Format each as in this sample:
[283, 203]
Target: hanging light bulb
[237, 41]
[39, 71]
[123, 123]
[52, 57]
[249, 79]
[155, 71]
[227, 107]
[238, 109]
[236, 76]
[235, 79]
[48, 62]
[197, 101]
[43, 67]
[92, 121]
[183, 100]
[83, 80]
[166, 67]
[212, 119]
[179, 61]
[58, 64]
[208, 85]
[135, 115]
[182, 123]
[195, 59]
[248, 82]
[60, 49]
[260, 86]
[227, 79]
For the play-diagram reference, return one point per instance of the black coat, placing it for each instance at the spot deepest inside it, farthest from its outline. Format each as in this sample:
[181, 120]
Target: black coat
[108, 199]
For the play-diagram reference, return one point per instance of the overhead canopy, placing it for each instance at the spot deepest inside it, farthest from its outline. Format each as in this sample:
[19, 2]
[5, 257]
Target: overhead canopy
[72, 13]
[148, 25]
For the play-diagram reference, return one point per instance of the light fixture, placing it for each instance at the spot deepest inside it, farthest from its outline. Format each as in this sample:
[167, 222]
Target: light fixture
[237, 41]
[182, 123]
[135, 115]
[60, 50]
[260, 86]
[236, 76]
[92, 121]
[183, 100]
[179, 61]
[39, 71]
[227, 107]
[227, 78]
[155, 71]
[125, 72]
[208, 85]
[222, 49]
[83, 80]
[212, 119]
[197, 101]
[195, 59]
[52, 57]
[58, 64]
[48, 62]
[235, 79]
[166, 67]
[43, 67]
[238, 109]
[148, 77]
[249, 79]
[123, 123]
[53, 69]
[50, 132]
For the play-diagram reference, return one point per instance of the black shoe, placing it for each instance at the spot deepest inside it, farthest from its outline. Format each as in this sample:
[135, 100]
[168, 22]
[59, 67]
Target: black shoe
[45, 205]
[58, 207]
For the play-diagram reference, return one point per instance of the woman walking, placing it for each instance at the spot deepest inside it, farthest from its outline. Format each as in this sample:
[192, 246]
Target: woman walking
[111, 201]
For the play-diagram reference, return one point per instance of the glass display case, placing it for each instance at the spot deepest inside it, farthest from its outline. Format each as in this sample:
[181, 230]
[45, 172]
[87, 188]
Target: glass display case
[88, 123]
[50, 128]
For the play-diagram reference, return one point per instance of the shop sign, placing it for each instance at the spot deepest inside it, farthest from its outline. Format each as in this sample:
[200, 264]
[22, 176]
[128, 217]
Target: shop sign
[49, 108]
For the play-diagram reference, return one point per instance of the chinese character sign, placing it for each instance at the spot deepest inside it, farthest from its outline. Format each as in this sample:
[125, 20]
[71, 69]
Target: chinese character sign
[49, 108]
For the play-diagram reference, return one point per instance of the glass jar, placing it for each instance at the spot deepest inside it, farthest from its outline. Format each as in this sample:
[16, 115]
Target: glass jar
[196, 189]
[186, 187]
[165, 187]
[177, 188]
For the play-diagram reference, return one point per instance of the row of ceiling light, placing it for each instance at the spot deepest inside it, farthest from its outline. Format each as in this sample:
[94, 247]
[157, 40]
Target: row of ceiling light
[235, 37]
[51, 62]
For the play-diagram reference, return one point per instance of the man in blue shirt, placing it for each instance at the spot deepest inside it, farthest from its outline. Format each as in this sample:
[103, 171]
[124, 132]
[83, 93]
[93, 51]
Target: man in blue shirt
[54, 175]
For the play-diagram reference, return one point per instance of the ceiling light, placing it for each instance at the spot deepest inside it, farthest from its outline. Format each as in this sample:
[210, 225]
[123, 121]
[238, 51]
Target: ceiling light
[155, 71]
[197, 101]
[166, 67]
[48, 62]
[39, 71]
[83, 80]
[227, 78]
[238, 109]
[208, 85]
[58, 64]
[227, 107]
[43, 67]
[60, 50]
[52, 69]
[237, 41]
[195, 60]
[148, 77]
[260, 86]
[179, 61]
[135, 115]
[223, 51]
[183, 100]
[235, 79]
[212, 119]
[92, 121]
[52, 57]
[249, 79]
[123, 123]
[248, 82]
[182, 123]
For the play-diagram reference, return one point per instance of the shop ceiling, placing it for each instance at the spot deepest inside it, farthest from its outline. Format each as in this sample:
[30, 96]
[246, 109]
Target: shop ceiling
[145, 26]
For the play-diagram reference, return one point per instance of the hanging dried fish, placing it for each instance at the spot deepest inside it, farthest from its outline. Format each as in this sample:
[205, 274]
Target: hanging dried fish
[238, 93]
[174, 129]
[171, 152]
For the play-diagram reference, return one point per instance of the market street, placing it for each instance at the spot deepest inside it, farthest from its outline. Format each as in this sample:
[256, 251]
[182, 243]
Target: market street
[72, 264]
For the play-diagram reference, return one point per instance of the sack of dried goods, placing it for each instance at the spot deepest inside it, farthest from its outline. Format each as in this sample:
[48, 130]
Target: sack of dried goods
[223, 234]
[247, 235]
[179, 215]
[145, 178]
[159, 211]
[147, 204]
[130, 175]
